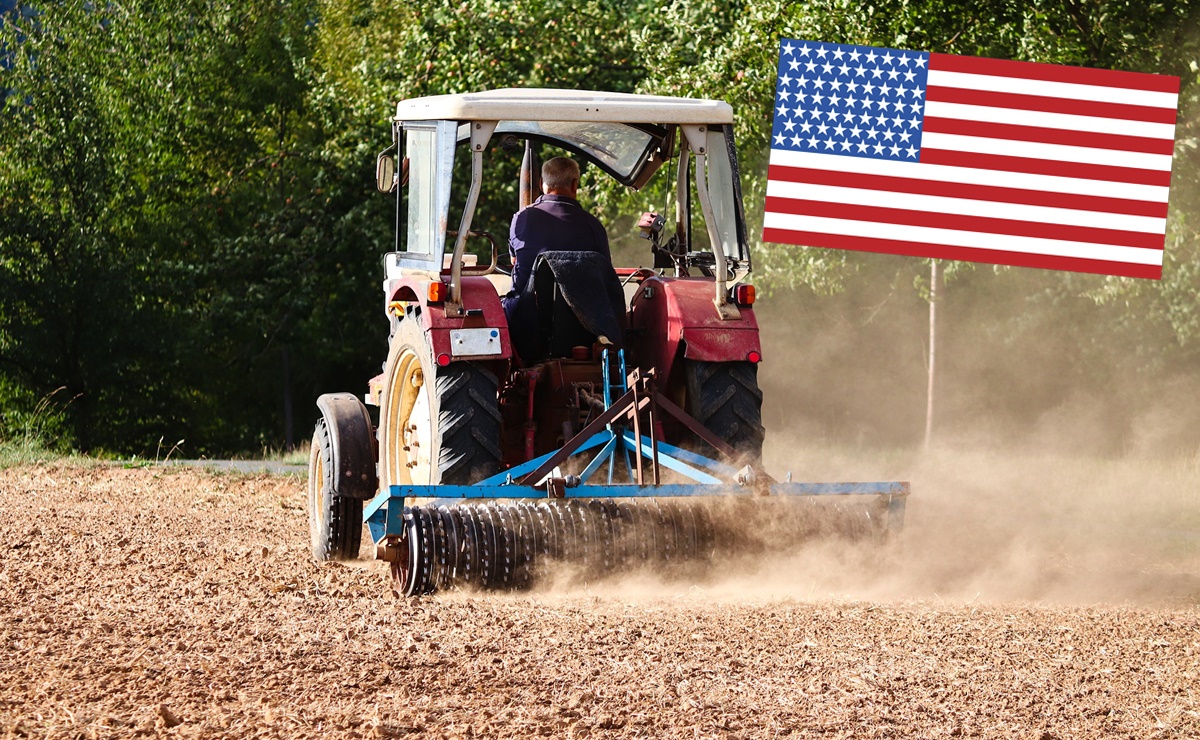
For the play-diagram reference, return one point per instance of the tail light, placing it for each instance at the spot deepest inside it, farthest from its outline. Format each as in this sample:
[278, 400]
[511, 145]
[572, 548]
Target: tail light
[743, 295]
[438, 291]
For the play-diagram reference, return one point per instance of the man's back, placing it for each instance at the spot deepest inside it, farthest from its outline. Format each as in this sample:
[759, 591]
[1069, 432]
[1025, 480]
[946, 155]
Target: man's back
[552, 223]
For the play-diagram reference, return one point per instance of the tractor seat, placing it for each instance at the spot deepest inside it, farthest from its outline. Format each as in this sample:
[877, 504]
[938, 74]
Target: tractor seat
[579, 299]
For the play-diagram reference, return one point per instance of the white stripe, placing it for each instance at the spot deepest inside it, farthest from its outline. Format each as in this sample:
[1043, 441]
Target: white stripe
[1018, 117]
[970, 176]
[966, 207]
[1052, 152]
[969, 239]
[1048, 89]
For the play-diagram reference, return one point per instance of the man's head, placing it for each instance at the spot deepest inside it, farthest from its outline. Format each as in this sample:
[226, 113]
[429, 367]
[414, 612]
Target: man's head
[560, 176]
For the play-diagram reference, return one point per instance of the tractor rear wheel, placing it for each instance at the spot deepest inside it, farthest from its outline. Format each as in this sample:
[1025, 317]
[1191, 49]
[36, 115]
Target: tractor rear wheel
[438, 425]
[334, 522]
[725, 398]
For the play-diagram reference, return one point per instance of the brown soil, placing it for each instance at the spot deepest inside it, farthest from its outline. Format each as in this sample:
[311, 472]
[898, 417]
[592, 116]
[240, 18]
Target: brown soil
[152, 602]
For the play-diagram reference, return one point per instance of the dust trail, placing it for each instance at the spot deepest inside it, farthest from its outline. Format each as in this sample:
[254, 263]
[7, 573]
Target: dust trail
[986, 527]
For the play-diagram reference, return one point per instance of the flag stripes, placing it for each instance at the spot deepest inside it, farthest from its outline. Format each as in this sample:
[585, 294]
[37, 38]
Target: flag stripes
[1008, 162]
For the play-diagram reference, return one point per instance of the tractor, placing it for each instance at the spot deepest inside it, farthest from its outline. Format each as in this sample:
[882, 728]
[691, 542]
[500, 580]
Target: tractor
[474, 461]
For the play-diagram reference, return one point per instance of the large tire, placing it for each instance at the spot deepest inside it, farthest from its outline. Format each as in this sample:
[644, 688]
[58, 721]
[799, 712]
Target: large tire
[725, 398]
[444, 432]
[335, 522]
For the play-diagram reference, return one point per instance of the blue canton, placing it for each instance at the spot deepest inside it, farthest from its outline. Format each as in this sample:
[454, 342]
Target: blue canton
[858, 101]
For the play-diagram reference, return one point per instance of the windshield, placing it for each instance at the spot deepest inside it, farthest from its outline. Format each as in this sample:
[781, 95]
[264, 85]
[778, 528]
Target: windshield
[618, 148]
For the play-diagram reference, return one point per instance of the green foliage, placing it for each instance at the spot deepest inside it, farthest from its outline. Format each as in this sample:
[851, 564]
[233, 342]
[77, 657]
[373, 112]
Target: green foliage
[189, 235]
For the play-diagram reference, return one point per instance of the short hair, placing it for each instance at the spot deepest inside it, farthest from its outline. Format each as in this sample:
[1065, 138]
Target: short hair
[559, 172]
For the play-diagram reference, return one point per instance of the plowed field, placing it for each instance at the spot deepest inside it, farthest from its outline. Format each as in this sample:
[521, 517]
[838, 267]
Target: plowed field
[184, 603]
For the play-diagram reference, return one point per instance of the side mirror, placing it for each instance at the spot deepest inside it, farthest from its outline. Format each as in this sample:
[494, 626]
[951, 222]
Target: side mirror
[385, 173]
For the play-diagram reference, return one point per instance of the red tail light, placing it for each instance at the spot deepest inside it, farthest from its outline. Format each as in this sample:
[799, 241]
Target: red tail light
[743, 295]
[754, 356]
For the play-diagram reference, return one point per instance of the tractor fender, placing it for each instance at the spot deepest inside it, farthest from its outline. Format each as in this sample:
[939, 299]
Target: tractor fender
[408, 298]
[353, 442]
[673, 316]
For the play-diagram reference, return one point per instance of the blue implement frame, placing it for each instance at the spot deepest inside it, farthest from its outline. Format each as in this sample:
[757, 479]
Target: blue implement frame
[540, 478]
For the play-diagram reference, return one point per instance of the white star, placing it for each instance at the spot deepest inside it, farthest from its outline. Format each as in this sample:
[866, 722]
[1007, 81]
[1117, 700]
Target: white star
[804, 50]
[920, 60]
[853, 86]
[821, 83]
[875, 72]
[785, 95]
[817, 98]
[806, 127]
[788, 48]
[812, 142]
[782, 110]
[822, 128]
[873, 133]
[919, 93]
[861, 147]
[838, 54]
[858, 71]
[910, 76]
[888, 135]
[892, 74]
[871, 57]
[803, 82]
[887, 58]
[845, 145]
[846, 115]
[911, 152]
[854, 55]
[871, 103]
[785, 80]
[869, 89]
[905, 136]
[898, 122]
[793, 64]
[789, 125]
[895, 150]
[855, 132]
[779, 139]
[838, 85]
[827, 67]
[915, 107]
[835, 100]
[878, 148]
[906, 59]
[844, 70]
[821, 52]
[839, 130]
[795, 141]
[914, 123]
[863, 118]
[809, 66]
[828, 144]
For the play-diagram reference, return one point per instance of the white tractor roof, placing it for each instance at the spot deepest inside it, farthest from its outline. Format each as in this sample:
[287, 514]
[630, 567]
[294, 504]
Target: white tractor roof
[536, 104]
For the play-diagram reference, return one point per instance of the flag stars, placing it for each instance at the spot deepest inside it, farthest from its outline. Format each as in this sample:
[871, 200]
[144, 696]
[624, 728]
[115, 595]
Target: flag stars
[847, 100]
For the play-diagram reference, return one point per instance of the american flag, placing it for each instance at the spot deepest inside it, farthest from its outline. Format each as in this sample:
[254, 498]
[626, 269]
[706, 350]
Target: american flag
[965, 158]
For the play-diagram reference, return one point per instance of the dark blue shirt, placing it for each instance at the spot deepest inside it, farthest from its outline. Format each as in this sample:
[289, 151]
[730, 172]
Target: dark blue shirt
[552, 223]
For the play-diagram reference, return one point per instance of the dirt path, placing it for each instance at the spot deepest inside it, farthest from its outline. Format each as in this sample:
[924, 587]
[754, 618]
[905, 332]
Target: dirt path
[182, 602]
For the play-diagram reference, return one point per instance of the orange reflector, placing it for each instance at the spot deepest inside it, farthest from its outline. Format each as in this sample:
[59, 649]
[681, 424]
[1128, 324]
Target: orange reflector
[438, 291]
[443, 359]
[755, 357]
[743, 295]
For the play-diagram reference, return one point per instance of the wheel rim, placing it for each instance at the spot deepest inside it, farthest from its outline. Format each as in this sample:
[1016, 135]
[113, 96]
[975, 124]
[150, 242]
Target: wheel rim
[408, 451]
[318, 508]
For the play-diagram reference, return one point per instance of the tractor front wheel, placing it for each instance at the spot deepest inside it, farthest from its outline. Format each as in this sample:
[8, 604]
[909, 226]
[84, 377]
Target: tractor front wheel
[335, 522]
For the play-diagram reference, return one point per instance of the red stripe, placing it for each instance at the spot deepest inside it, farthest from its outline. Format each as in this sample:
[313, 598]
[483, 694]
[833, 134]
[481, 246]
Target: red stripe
[1055, 73]
[1026, 165]
[1049, 135]
[955, 222]
[1018, 101]
[937, 251]
[970, 192]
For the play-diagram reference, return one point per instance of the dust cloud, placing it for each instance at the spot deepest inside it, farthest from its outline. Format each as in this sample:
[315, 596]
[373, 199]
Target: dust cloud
[1055, 475]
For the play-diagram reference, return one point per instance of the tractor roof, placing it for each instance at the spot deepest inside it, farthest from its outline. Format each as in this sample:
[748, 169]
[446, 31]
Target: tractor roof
[537, 104]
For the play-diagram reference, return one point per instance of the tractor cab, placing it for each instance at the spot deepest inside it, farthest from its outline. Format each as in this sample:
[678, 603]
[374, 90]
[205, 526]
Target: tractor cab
[628, 137]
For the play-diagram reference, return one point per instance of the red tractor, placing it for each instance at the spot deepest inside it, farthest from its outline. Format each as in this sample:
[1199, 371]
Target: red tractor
[472, 469]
